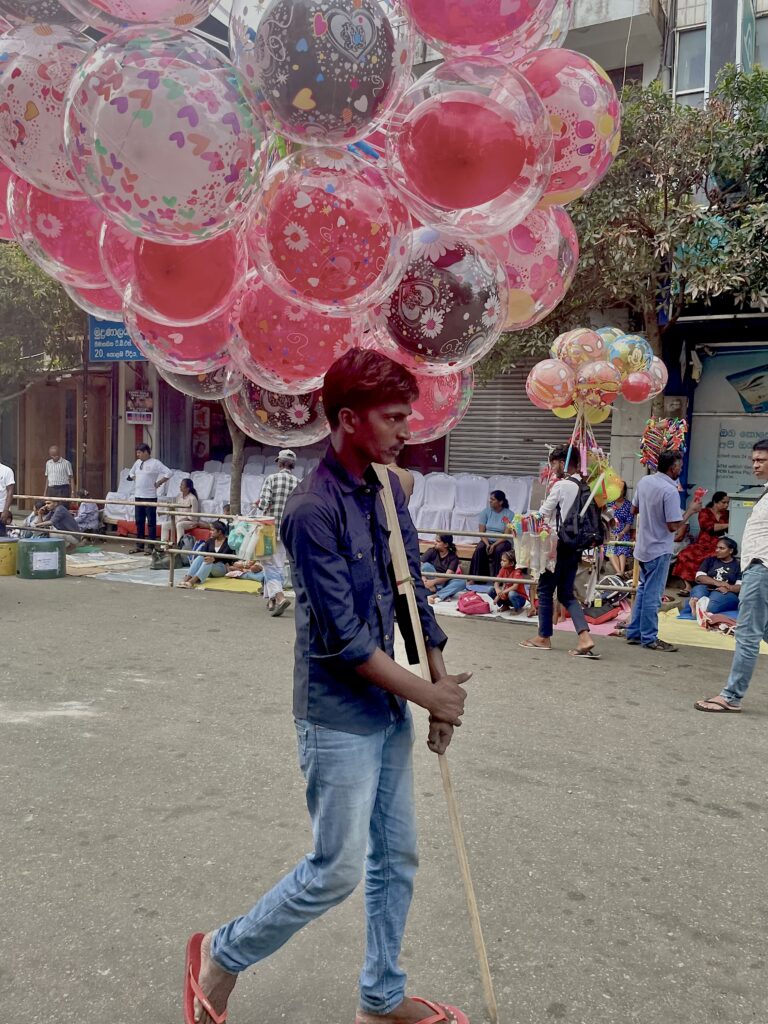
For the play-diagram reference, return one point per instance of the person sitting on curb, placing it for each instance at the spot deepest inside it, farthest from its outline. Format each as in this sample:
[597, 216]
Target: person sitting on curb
[205, 565]
[718, 582]
[441, 558]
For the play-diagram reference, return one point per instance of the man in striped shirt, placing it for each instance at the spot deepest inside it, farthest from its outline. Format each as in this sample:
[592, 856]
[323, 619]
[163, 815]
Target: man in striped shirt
[58, 475]
[277, 488]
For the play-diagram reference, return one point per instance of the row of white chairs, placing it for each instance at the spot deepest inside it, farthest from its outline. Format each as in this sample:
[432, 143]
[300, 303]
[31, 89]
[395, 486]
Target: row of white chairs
[442, 503]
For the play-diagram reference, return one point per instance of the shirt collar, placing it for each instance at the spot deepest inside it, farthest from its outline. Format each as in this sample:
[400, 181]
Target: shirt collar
[348, 483]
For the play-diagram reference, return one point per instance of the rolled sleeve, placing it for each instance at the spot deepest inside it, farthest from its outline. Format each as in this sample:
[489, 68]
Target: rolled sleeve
[311, 536]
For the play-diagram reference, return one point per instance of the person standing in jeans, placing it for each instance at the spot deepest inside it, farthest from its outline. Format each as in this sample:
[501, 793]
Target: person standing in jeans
[753, 598]
[150, 474]
[657, 499]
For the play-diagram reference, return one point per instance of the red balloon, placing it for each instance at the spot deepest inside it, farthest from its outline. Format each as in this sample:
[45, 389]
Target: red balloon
[460, 153]
[187, 284]
[637, 387]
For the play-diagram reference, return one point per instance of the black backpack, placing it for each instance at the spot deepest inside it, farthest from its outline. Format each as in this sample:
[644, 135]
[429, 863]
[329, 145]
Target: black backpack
[583, 526]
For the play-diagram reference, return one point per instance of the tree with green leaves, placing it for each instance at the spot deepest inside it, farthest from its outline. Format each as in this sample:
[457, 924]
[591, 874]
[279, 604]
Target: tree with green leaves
[41, 329]
[681, 216]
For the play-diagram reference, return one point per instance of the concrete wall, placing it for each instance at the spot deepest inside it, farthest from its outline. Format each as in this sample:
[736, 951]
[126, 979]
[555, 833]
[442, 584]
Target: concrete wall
[618, 33]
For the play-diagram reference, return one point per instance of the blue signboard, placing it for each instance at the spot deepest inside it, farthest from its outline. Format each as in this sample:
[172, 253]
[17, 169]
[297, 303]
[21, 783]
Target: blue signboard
[109, 341]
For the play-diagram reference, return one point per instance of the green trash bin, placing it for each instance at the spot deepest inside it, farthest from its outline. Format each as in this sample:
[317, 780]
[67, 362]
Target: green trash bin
[41, 558]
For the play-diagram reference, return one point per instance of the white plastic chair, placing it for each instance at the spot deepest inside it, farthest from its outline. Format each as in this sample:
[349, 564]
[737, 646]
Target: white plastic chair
[517, 489]
[212, 466]
[173, 486]
[471, 499]
[204, 484]
[434, 516]
[257, 461]
[125, 486]
[250, 491]
[114, 512]
[227, 468]
[227, 459]
[253, 469]
[417, 498]
[222, 488]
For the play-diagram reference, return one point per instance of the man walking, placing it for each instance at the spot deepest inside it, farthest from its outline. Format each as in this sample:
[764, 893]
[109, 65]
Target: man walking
[566, 464]
[350, 704]
[657, 499]
[752, 626]
[277, 489]
[58, 475]
[150, 475]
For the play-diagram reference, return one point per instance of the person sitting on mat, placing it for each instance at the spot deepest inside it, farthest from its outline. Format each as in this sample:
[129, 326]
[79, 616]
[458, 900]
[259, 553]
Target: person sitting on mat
[718, 581]
[510, 596]
[350, 706]
[205, 565]
[441, 558]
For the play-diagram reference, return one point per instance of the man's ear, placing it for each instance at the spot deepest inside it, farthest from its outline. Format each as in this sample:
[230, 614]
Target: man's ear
[349, 420]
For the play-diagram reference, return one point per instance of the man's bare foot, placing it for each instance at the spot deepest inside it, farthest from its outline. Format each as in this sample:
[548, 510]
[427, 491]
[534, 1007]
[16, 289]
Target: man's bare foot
[214, 981]
[408, 1012]
[542, 642]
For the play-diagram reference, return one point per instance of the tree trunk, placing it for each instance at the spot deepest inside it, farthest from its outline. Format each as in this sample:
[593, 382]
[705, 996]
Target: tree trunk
[653, 333]
[238, 444]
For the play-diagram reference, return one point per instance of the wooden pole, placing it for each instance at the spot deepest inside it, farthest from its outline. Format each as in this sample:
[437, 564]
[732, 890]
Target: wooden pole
[405, 587]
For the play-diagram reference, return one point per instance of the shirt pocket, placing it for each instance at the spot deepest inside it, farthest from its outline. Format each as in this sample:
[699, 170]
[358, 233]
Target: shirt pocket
[359, 554]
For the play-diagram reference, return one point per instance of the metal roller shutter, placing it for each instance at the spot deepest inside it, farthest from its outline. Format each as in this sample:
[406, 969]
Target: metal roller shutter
[503, 432]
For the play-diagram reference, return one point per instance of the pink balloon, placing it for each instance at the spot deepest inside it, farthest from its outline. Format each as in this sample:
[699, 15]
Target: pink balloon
[285, 347]
[199, 348]
[285, 421]
[116, 251]
[108, 15]
[638, 387]
[585, 115]
[550, 384]
[37, 64]
[6, 231]
[442, 404]
[540, 256]
[599, 378]
[60, 234]
[330, 232]
[104, 303]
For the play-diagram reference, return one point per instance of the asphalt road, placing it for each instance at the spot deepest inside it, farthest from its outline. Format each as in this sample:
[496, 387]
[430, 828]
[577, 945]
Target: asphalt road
[149, 788]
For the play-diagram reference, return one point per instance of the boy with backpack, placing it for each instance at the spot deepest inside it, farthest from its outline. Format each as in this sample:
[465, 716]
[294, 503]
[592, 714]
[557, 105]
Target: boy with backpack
[568, 507]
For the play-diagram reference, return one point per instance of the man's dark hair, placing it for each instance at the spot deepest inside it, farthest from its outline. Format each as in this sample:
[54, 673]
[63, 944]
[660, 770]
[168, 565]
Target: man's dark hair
[667, 461]
[760, 446]
[560, 454]
[362, 380]
[143, 448]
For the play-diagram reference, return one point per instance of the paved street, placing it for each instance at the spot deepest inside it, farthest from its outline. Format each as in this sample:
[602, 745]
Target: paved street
[149, 788]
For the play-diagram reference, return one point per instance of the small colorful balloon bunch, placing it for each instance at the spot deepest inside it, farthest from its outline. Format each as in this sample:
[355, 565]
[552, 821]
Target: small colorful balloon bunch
[662, 435]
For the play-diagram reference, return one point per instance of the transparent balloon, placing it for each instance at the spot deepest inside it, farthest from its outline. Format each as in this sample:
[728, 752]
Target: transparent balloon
[37, 64]
[470, 147]
[540, 256]
[659, 374]
[104, 303]
[6, 231]
[578, 347]
[491, 28]
[108, 15]
[324, 71]
[330, 233]
[285, 421]
[598, 378]
[286, 347]
[37, 12]
[449, 307]
[211, 387]
[442, 404]
[631, 353]
[61, 235]
[188, 284]
[610, 334]
[585, 116]
[116, 251]
[551, 384]
[161, 135]
[200, 348]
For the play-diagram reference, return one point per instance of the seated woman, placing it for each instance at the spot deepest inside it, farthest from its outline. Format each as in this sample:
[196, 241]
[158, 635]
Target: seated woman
[188, 503]
[510, 596]
[621, 529]
[486, 560]
[718, 581]
[441, 558]
[713, 523]
[87, 515]
[205, 565]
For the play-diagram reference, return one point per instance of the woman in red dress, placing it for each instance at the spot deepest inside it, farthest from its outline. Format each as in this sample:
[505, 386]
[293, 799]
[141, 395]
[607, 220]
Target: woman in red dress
[713, 523]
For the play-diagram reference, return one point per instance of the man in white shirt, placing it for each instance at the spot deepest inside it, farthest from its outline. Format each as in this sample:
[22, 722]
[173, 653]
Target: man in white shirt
[150, 475]
[58, 475]
[554, 510]
[7, 486]
[753, 598]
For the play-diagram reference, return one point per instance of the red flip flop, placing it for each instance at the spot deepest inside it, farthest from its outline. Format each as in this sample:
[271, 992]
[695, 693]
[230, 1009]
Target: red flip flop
[442, 1013]
[192, 988]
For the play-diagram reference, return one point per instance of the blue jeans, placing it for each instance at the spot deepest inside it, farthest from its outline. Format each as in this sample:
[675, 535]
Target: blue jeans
[203, 569]
[752, 628]
[718, 603]
[448, 588]
[562, 580]
[644, 624]
[360, 800]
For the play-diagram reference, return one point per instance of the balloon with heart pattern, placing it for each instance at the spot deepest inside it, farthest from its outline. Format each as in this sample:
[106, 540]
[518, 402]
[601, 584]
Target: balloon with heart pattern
[286, 347]
[59, 234]
[160, 133]
[325, 70]
[199, 348]
[37, 64]
[6, 231]
[37, 12]
[329, 232]
[210, 387]
[285, 421]
[469, 147]
[442, 404]
[108, 15]
[449, 307]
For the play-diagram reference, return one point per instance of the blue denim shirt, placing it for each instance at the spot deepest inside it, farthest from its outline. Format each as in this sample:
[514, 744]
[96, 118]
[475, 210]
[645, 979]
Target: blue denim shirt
[334, 529]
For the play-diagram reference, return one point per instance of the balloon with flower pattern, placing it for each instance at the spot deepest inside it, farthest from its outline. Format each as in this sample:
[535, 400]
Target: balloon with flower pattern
[285, 421]
[442, 404]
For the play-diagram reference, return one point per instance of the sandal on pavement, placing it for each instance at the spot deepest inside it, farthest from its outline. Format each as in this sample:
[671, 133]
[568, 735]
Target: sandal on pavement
[280, 608]
[192, 988]
[590, 652]
[722, 707]
[531, 646]
[442, 1013]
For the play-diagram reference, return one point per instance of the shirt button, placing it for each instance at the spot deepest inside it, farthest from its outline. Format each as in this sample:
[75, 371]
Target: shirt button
[359, 554]
[386, 636]
[378, 597]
